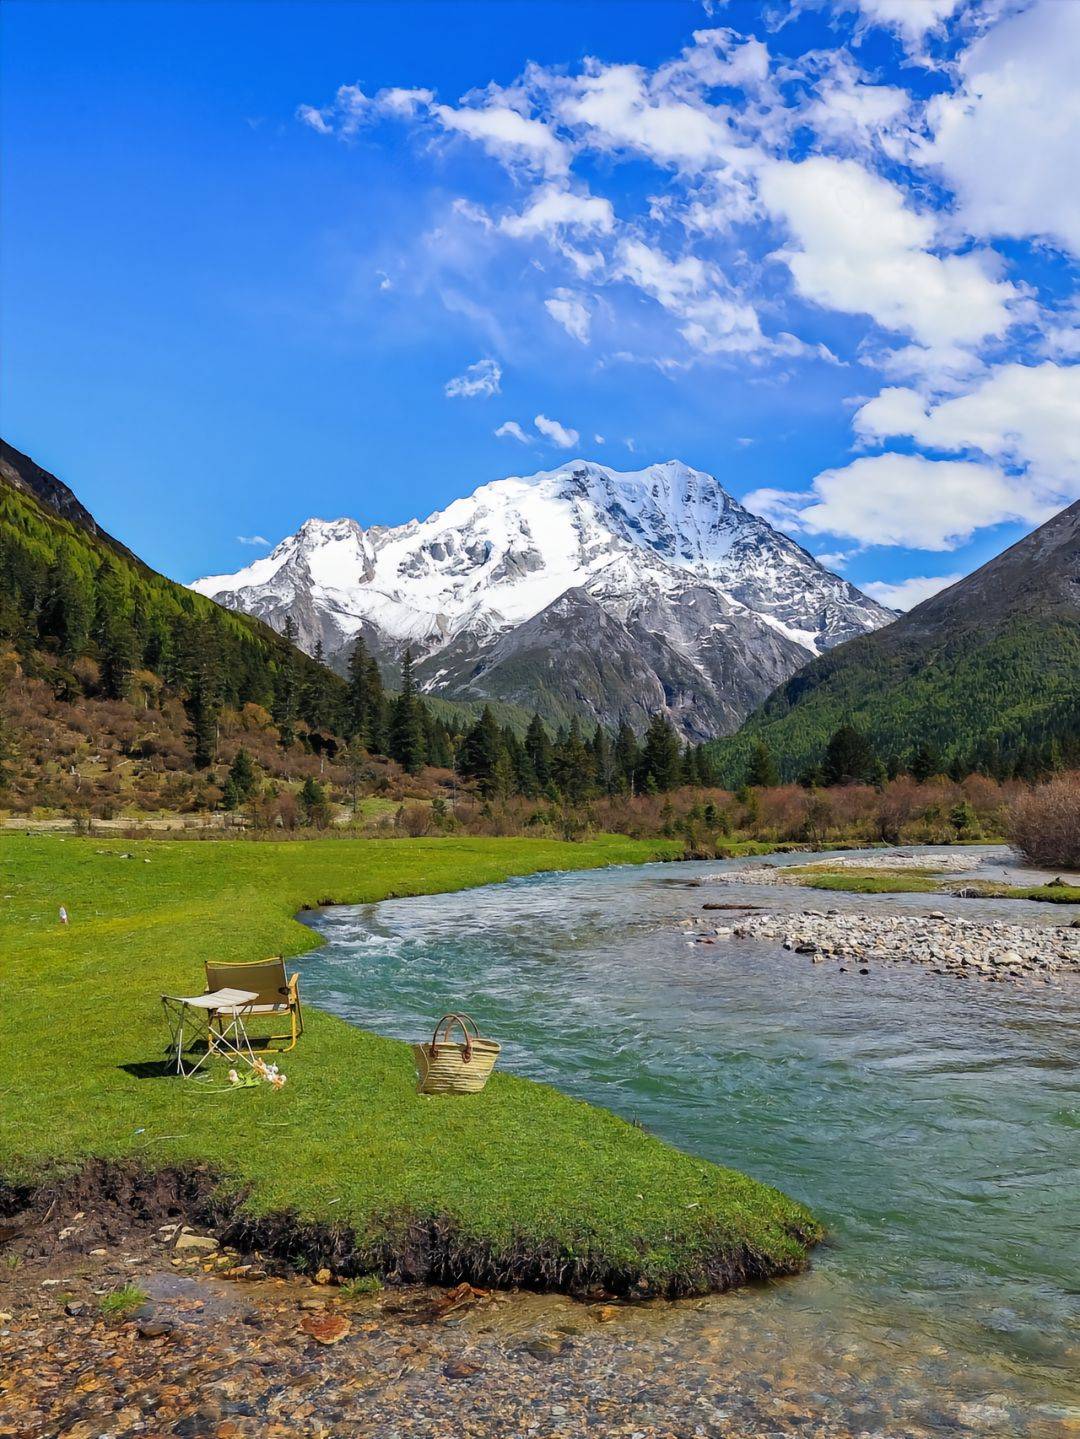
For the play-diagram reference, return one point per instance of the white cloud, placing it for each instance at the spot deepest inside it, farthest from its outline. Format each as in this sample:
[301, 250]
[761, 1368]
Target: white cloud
[571, 312]
[906, 594]
[694, 291]
[904, 500]
[1007, 140]
[1021, 416]
[860, 248]
[510, 429]
[724, 116]
[557, 433]
[910, 19]
[310, 116]
[618, 111]
[509, 136]
[599, 440]
[846, 112]
[552, 209]
[350, 109]
[1061, 334]
[835, 559]
[404, 103]
[479, 380]
[252, 540]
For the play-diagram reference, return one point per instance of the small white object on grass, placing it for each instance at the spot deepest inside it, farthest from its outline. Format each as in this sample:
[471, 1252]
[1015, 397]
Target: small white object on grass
[63, 915]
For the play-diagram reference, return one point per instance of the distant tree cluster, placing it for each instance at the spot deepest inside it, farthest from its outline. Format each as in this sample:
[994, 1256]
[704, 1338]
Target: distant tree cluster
[565, 766]
[575, 767]
[850, 757]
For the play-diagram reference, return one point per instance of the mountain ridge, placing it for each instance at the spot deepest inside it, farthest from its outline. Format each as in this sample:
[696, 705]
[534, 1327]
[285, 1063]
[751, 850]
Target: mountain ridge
[711, 606]
[982, 672]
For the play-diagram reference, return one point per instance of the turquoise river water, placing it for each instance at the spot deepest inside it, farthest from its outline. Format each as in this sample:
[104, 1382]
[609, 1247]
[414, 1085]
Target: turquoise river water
[934, 1124]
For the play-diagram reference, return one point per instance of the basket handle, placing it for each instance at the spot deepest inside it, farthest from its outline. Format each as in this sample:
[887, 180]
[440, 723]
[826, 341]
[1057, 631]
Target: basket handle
[449, 1020]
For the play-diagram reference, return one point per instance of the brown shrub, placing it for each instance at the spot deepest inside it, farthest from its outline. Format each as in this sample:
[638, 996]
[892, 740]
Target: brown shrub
[414, 820]
[1044, 823]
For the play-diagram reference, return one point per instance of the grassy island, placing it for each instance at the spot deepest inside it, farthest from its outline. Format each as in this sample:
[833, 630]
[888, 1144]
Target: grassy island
[347, 1162]
[855, 880]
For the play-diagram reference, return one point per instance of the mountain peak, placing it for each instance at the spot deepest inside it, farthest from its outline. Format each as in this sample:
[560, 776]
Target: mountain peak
[665, 551]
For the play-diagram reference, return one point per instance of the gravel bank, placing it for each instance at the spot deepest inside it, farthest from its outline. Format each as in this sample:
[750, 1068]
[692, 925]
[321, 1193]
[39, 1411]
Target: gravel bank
[943, 864]
[968, 949]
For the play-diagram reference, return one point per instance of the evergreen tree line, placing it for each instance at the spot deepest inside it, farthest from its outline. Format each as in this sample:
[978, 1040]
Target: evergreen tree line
[567, 765]
[850, 757]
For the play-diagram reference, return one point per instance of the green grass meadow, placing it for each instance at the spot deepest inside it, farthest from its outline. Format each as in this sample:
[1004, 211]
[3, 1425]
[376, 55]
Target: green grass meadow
[348, 1141]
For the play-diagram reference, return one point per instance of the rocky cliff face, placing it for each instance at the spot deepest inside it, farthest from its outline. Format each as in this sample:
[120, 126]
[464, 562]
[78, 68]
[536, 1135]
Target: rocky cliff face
[580, 589]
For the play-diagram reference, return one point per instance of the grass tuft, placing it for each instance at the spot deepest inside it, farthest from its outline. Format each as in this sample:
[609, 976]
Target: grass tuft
[361, 1287]
[121, 1301]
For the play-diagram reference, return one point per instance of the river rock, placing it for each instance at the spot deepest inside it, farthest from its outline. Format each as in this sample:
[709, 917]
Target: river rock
[195, 1243]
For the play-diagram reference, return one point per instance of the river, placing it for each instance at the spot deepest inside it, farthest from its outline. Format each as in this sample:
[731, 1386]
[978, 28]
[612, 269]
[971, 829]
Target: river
[932, 1123]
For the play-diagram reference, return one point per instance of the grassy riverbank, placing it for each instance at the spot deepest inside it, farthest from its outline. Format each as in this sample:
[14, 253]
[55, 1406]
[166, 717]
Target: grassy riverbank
[520, 1182]
[853, 880]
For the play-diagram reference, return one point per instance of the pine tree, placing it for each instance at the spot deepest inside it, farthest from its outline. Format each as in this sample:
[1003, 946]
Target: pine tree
[68, 611]
[438, 744]
[603, 761]
[287, 689]
[627, 758]
[848, 758]
[118, 654]
[198, 667]
[315, 700]
[661, 761]
[538, 749]
[480, 751]
[573, 769]
[925, 762]
[525, 781]
[378, 716]
[240, 781]
[357, 693]
[407, 723]
[705, 772]
[761, 772]
[315, 805]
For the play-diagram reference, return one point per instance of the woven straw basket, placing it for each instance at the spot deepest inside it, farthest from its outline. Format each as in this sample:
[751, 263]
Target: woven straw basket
[446, 1067]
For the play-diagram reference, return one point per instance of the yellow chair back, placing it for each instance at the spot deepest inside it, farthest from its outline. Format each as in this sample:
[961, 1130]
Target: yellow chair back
[264, 977]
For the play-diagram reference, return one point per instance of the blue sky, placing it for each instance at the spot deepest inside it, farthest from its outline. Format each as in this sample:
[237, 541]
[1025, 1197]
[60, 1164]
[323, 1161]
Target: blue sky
[269, 260]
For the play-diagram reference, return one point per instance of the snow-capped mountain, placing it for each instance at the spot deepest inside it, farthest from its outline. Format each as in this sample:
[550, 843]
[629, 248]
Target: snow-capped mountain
[580, 589]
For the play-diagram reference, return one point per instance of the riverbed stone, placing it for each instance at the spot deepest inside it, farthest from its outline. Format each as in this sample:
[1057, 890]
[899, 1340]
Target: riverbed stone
[948, 946]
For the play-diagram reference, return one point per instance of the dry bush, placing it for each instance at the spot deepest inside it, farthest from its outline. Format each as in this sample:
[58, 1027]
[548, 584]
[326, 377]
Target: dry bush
[1044, 823]
[414, 820]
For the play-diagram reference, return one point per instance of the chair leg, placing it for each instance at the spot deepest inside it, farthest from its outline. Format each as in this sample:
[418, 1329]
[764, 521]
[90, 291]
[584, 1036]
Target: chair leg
[292, 1037]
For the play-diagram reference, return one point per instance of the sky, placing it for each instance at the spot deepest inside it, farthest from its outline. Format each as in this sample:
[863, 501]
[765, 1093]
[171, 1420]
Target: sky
[267, 260]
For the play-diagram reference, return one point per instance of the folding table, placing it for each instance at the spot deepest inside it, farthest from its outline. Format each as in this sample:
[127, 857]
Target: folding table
[195, 1015]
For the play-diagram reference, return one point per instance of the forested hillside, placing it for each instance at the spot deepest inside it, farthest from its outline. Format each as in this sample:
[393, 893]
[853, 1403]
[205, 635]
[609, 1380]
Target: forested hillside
[984, 676]
[123, 692]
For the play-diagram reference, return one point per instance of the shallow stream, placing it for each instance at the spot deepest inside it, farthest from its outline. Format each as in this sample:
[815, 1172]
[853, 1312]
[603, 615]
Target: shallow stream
[933, 1123]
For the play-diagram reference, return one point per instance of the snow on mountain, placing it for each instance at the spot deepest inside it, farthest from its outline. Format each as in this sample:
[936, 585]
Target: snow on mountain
[665, 547]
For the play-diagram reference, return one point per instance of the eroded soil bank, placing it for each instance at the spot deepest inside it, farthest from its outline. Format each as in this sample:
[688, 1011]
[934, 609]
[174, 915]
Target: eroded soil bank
[115, 1200]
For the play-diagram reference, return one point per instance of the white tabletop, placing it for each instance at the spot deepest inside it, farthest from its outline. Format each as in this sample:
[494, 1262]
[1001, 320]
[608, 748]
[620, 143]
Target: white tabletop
[216, 999]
